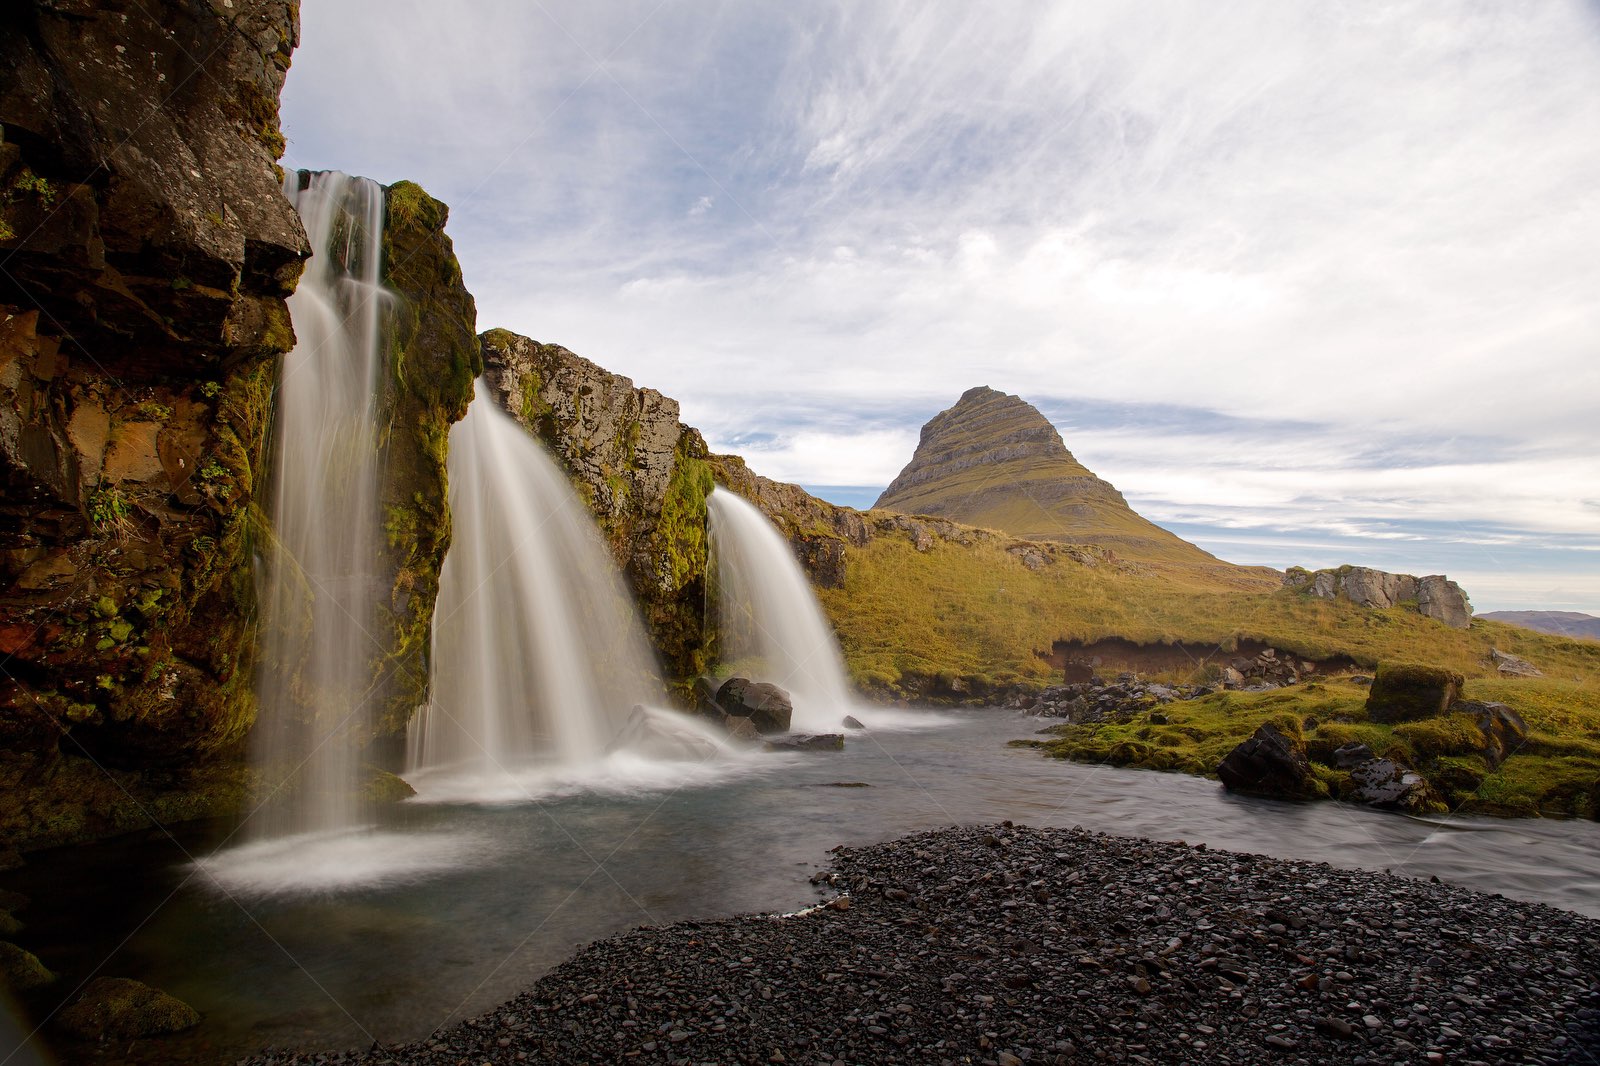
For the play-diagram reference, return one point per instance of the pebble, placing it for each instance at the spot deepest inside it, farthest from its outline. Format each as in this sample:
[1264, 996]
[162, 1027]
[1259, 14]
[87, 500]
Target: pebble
[1139, 952]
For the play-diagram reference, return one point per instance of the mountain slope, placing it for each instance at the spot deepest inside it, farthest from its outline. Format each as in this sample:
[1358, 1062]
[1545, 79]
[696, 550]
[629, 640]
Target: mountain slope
[1560, 623]
[994, 461]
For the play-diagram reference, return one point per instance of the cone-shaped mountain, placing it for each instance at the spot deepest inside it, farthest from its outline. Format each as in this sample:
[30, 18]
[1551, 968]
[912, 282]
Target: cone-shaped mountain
[993, 460]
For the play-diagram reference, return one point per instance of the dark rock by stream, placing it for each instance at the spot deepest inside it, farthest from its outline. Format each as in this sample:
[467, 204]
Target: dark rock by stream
[1010, 945]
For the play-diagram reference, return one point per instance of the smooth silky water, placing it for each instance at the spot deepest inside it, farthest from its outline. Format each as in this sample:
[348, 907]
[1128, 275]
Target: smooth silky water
[539, 879]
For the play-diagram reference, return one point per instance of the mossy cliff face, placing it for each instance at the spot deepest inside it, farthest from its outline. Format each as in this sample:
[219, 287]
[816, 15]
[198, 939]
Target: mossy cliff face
[434, 357]
[643, 473]
[147, 250]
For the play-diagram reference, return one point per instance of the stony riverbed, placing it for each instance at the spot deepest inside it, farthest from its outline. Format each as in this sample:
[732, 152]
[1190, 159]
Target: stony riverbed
[1011, 945]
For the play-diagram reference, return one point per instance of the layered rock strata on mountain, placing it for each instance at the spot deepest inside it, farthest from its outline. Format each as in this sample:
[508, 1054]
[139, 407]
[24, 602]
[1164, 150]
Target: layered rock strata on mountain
[146, 250]
[645, 476]
[1434, 596]
[993, 460]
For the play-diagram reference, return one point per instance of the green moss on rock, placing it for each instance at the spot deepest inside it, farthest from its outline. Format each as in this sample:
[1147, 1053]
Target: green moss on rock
[122, 1009]
[1403, 692]
[21, 969]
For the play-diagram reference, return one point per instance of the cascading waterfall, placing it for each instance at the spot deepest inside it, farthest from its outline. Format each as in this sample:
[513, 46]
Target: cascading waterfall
[317, 588]
[768, 621]
[541, 669]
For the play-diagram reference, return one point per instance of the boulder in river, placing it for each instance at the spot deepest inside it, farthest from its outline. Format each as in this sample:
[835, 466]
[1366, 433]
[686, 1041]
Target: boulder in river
[1270, 763]
[766, 705]
[1386, 783]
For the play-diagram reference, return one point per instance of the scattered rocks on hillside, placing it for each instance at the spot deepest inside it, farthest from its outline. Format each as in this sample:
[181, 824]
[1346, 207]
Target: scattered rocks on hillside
[1004, 944]
[1265, 670]
[123, 1009]
[1103, 701]
[1271, 763]
[1510, 666]
[1407, 692]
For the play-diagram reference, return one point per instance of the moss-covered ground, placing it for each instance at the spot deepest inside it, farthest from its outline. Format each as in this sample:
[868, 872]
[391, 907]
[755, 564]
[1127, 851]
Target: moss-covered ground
[1555, 771]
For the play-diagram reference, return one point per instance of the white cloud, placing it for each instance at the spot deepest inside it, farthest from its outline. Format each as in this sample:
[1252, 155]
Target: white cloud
[1357, 227]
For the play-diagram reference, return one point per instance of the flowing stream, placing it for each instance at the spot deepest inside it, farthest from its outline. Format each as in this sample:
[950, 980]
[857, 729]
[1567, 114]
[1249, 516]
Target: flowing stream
[536, 880]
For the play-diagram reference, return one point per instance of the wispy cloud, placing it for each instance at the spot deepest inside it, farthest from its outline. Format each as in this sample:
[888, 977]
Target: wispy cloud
[1333, 262]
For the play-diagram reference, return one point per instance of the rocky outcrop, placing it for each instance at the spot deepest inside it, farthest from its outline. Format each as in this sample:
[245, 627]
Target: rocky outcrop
[994, 461]
[1434, 596]
[147, 251]
[434, 357]
[646, 475]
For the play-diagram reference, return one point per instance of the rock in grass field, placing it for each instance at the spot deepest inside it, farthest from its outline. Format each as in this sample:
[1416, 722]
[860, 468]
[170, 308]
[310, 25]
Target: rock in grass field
[1008, 945]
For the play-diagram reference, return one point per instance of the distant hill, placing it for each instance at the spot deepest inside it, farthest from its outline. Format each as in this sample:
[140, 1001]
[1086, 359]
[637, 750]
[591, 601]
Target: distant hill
[1560, 623]
[994, 461]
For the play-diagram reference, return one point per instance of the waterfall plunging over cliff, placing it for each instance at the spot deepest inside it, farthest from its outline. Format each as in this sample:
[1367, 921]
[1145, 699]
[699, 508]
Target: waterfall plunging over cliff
[768, 619]
[541, 670]
[317, 588]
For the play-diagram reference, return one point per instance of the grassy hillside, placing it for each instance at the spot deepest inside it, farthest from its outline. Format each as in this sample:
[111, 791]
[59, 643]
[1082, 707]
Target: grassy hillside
[982, 609]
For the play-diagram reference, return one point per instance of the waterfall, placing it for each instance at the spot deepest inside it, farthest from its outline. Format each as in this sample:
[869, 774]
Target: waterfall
[317, 586]
[541, 669]
[769, 624]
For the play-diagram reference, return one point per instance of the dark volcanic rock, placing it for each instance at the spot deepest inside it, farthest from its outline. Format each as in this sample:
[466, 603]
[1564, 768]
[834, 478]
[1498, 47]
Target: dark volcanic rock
[806, 742]
[766, 705]
[148, 249]
[1004, 944]
[1385, 783]
[1270, 763]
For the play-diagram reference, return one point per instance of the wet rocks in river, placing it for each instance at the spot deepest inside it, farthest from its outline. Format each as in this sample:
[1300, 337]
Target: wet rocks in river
[1386, 783]
[1008, 944]
[766, 705]
[122, 1009]
[1272, 763]
[806, 742]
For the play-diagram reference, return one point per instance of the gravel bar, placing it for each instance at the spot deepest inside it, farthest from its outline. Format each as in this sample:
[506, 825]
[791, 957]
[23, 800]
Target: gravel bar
[1006, 945]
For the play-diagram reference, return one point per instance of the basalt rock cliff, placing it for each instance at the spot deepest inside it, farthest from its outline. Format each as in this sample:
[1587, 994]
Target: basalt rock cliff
[645, 476]
[146, 250]
[994, 461]
[146, 253]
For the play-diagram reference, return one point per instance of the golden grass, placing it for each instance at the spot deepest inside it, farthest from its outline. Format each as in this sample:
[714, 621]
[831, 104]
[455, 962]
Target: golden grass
[976, 611]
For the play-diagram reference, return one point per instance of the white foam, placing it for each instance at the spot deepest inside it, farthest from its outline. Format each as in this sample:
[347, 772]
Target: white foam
[332, 862]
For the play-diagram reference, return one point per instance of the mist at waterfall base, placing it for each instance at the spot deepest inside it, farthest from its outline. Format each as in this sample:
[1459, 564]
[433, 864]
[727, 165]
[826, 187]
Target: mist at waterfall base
[543, 681]
[771, 628]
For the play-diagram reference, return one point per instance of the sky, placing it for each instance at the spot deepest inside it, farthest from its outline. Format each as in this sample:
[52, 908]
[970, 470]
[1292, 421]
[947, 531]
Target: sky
[1311, 284]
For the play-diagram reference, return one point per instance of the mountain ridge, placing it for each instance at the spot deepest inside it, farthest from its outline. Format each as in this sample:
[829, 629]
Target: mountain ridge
[992, 460]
